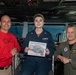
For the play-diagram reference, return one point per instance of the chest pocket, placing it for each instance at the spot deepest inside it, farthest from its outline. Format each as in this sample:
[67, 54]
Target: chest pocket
[73, 53]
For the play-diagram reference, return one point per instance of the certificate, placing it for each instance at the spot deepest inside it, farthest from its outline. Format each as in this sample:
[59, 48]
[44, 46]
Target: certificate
[37, 48]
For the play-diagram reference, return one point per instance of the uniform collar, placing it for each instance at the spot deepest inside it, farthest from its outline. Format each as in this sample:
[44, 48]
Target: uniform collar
[43, 32]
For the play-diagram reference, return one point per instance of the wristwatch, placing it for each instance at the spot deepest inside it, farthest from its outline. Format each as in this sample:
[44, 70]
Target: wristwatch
[70, 60]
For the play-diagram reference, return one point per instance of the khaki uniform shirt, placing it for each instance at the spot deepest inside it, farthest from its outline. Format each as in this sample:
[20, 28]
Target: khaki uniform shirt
[64, 50]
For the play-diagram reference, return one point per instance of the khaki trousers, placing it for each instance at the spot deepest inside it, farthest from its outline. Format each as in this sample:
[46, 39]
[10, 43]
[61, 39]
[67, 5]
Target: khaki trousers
[6, 71]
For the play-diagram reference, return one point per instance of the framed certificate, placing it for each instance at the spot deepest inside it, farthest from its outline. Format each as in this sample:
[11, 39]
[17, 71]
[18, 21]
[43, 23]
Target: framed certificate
[37, 48]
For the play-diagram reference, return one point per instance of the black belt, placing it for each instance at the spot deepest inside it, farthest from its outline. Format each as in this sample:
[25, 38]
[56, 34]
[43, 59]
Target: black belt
[2, 68]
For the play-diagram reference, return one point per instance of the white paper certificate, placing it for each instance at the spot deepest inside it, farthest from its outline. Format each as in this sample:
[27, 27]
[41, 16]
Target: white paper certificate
[37, 48]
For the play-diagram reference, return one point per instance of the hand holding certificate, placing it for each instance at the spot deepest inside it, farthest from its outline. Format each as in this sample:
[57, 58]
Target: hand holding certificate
[37, 48]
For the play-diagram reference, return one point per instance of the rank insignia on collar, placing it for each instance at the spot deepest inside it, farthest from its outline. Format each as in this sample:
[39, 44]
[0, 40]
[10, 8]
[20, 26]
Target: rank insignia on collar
[31, 32]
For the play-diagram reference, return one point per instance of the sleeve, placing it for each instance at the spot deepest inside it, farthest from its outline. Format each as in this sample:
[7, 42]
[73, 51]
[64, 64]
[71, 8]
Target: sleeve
[25, 43]
[17, 44]
[51, 46]
[58, 51]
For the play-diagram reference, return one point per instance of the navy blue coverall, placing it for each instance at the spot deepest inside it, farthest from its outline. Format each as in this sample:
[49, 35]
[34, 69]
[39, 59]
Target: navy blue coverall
[34, 64]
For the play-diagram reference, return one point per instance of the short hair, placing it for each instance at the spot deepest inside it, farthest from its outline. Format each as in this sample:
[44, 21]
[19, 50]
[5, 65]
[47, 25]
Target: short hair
[3, 16]
[71, 25]
[38, 15]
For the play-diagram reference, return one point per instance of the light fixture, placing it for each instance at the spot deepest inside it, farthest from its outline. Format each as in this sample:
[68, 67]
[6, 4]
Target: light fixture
[71, 13]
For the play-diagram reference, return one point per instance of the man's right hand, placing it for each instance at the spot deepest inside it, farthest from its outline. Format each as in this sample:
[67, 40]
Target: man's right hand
[63, 59]
[14, 51]
[26, 49]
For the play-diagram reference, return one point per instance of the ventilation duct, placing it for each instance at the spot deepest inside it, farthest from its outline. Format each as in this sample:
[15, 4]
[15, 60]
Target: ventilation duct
[51, 0]
[57, 0]
[69, 0]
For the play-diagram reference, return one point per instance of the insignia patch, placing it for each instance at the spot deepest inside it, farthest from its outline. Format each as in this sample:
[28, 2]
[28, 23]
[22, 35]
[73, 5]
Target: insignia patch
[65, 49]
[73, 51]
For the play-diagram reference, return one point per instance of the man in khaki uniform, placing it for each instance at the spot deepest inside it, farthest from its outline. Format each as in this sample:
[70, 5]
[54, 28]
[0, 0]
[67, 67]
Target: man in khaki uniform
[66, 51]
